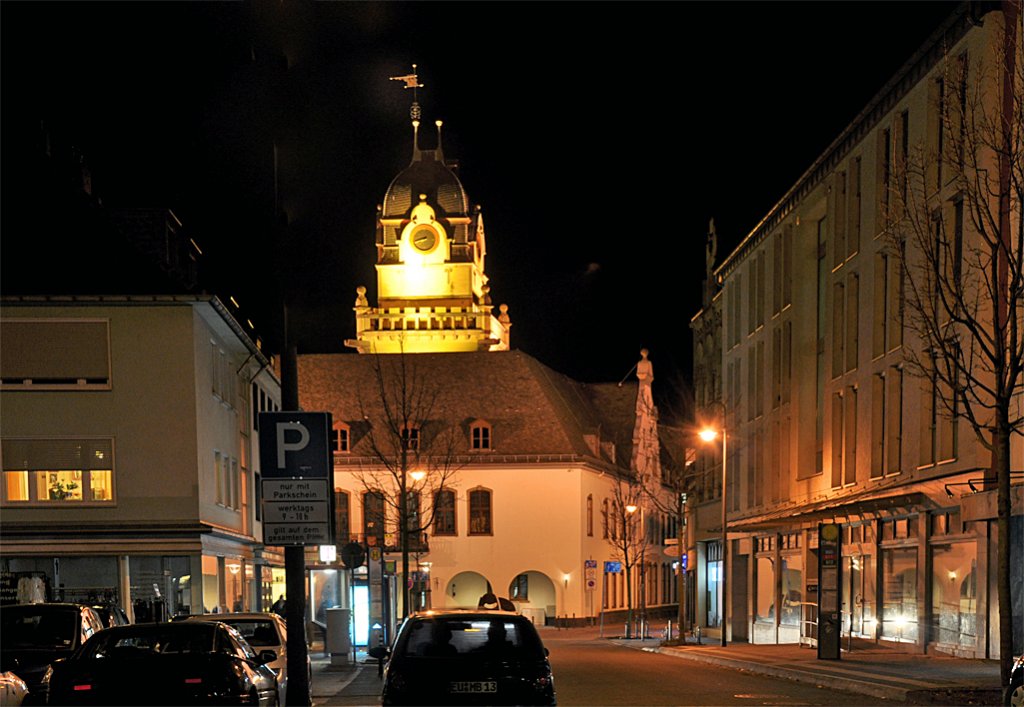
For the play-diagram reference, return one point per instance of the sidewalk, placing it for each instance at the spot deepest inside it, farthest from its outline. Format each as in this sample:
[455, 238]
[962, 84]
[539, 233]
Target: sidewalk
[867, 669]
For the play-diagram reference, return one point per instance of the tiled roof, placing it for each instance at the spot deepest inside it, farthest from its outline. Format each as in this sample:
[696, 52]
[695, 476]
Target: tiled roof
[532, 409]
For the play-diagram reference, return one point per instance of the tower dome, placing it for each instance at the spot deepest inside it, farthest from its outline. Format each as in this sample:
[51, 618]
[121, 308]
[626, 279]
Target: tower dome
[427, 174]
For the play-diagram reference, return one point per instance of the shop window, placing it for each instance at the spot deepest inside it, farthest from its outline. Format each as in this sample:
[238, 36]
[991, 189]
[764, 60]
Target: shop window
[480, 512]
[899, 598]
[58, 471]
[519, 590]
[954, 609]
[792, 590]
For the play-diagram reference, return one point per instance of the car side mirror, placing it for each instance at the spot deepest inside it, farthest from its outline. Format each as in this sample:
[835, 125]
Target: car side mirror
[267, 656]
[379, 652]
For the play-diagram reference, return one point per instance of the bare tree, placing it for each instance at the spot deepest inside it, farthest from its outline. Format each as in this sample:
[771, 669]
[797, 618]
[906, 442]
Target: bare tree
[626, 533]
[414, 451]
[957, 231]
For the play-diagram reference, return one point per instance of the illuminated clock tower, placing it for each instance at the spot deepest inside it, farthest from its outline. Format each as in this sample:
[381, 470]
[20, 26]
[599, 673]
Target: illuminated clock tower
[432, 293]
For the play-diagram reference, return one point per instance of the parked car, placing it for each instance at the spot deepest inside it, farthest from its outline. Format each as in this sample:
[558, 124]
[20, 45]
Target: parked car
[179, 663]
[12, 690]
[264, 632]
[111, 614]
[34, 635]
[1017, 683]
[463, 656]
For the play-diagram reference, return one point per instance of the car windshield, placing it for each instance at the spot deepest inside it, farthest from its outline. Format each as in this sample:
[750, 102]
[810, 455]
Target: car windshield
[465, 636]
[257, 632]
[38, 626]
[176, 638]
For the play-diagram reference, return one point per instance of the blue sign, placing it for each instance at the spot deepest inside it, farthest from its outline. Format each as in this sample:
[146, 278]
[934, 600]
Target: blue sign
[295, 445]
[612, 567]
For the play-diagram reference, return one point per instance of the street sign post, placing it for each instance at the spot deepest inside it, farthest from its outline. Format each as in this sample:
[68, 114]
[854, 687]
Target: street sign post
[296, 464]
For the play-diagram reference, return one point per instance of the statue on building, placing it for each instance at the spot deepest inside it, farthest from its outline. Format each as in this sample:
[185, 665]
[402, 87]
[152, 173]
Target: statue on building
[710, 251]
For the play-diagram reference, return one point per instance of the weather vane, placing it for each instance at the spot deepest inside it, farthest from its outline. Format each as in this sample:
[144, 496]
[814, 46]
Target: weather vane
[412, 81]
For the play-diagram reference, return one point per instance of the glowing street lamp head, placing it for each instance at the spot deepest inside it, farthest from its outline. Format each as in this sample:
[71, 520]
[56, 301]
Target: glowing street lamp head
[418, 475]
[708, 434]
[631, 509]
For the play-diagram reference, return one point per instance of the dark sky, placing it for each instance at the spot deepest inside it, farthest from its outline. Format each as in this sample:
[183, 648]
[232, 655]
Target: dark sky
[599, 138]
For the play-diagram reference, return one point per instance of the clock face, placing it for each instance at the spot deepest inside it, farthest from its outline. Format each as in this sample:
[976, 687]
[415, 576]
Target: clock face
[424, 238]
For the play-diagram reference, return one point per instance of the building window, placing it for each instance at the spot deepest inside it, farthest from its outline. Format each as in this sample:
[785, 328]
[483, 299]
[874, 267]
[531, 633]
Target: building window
[340, 438]
[411, 438]
[590, 515]
[480, 512]
[373, 515]
[480, 436]
[58, 471]
[444, 512]
[604, 519]
[341, 518]
[46, 354]
[519, 590]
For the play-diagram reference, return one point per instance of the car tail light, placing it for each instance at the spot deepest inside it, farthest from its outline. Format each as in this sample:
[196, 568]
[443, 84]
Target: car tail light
[78, 688]
[193, 681]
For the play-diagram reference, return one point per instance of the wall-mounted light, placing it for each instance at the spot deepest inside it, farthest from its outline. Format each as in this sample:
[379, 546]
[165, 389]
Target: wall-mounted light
[418, 475]
[234, 567]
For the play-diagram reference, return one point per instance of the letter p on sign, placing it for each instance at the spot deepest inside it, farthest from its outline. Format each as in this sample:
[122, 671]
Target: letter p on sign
[284, 446]
[295, 445]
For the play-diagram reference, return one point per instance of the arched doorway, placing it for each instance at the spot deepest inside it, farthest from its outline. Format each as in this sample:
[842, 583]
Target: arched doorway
[465, 589]
[534, 594]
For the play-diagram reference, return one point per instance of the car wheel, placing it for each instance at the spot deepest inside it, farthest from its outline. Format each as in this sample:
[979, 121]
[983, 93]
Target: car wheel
[1017, 697]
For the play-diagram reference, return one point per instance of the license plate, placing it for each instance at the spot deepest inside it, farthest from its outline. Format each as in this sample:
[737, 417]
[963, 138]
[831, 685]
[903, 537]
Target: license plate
[481, 686]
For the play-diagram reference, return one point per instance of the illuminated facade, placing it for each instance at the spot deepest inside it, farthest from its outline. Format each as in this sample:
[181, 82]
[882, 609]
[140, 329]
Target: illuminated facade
[432, 292]
[827, 421]
[130, 454]
[511, 469]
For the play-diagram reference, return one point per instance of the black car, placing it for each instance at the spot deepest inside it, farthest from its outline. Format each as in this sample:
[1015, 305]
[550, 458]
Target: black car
[461, 656]
[34, 635]
[1017, 683]
[111, 614]
[179, 663]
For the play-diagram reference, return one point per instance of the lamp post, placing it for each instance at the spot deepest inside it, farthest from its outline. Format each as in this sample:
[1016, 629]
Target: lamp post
[709, 435]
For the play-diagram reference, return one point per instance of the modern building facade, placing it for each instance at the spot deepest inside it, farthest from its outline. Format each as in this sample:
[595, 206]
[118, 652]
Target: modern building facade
[130, 455]
[810, 357]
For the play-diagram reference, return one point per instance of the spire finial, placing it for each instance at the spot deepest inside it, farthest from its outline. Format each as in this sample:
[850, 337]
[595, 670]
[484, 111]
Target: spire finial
[412, 81]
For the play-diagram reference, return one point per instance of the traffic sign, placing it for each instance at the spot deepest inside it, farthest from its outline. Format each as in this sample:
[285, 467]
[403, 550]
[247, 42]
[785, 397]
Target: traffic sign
[295, 444]
[296, 465]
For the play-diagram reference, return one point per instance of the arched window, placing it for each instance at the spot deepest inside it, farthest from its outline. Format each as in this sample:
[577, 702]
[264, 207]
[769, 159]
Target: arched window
[590, 515]
[480, 512]
[341, 528]
[373, 514]
[444, 513]
[480, 436]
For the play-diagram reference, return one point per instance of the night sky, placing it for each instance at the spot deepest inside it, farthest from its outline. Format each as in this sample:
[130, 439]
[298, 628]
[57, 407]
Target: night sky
[599, 139]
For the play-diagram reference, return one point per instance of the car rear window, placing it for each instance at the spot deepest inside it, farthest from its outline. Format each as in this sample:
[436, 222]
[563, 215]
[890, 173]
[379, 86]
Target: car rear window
[150, 640]
[458, 636]
[257, 633]
[39, 627]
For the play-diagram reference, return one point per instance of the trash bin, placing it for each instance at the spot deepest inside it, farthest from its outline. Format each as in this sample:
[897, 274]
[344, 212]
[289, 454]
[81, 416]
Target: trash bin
[338, 641]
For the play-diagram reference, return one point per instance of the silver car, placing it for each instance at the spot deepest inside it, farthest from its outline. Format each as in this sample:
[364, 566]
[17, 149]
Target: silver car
[263, 632]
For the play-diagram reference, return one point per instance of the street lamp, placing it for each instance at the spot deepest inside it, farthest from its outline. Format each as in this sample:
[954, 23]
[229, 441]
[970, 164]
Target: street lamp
[709, 434]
